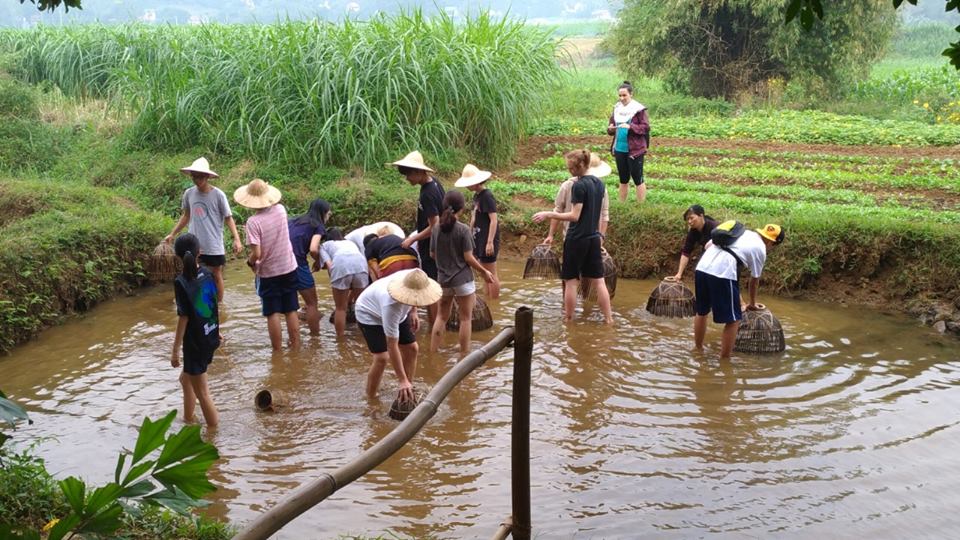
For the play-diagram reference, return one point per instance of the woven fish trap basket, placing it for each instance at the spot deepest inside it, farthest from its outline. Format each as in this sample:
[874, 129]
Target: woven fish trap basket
[760, 332]
[163, 264]
[481, 319]
[609, 277]
[401, 409]
[671, 298]
[351, 315]
[542, 263]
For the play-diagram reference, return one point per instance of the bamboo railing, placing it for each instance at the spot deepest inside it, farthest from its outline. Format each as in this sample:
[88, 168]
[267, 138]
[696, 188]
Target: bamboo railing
[309, 495]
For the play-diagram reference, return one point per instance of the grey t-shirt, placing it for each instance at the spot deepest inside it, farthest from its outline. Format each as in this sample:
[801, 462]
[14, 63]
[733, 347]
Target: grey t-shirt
[207, 212]
[452, 269]
[345, 258]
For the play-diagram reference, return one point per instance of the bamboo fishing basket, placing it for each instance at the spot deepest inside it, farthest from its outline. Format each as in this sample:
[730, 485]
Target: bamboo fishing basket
[671, 298]
[269, 399]
[760, 332]
[542, 263]
[481, 318]
[401, 409]
[609, 277]
[351, 315]
[163, 264]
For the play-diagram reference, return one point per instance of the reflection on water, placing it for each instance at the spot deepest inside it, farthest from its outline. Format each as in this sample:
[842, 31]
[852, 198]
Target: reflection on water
[851, 432]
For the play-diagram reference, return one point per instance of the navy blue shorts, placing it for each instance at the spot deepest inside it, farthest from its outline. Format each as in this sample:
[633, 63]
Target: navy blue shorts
[377, 340]
[305, 278]
[720, 295]
[278, 294]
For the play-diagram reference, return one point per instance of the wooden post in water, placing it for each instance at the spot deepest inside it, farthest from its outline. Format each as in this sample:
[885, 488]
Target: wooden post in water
[521, 527]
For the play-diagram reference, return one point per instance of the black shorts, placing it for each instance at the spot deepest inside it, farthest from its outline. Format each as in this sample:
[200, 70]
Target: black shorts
[213, 260]
[582, 257]
[480, 251]
[377, 340]
[628, 167]
[195, 361]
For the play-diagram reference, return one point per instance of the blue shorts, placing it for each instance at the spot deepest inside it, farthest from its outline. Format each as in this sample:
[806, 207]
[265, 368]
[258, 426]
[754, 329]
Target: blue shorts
[720, 295]
[305, 278]
[278, 294]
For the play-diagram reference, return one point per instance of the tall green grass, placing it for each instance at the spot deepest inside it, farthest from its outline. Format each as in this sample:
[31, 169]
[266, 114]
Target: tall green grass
[309, 93]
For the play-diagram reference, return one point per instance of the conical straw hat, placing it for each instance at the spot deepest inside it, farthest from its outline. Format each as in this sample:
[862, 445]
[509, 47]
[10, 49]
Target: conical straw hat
[413, 160]
[472, 176]
[414, 288]
[598, 167]
[200, 165]
[257, 194]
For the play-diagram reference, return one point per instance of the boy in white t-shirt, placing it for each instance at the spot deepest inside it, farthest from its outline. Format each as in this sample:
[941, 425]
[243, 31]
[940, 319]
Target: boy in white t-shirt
[717, 287]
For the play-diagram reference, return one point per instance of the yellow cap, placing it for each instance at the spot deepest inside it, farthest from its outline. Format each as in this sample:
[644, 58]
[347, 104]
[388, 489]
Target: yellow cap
[772, 232]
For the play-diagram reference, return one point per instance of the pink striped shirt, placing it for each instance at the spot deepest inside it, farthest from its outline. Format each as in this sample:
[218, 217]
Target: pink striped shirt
[268, 229]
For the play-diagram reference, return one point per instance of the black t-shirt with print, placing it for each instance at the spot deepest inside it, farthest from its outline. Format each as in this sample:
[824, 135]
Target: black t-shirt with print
[197, 300]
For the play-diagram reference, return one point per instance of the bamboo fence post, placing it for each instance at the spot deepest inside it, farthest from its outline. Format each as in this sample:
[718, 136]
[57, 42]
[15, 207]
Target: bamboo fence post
[521, 527]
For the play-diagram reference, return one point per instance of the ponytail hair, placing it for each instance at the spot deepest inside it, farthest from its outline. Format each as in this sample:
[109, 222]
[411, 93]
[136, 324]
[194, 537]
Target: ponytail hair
[626, 85]
[578, 161]
[187, 247]
[453, 202]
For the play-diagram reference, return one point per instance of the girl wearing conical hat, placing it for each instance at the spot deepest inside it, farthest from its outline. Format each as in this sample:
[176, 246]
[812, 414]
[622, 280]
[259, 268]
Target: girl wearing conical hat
[483, 223]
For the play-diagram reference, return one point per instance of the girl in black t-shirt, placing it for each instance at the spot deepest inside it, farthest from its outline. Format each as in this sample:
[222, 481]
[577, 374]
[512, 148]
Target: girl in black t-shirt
[483, 223]
[198, 329]
[700, 227]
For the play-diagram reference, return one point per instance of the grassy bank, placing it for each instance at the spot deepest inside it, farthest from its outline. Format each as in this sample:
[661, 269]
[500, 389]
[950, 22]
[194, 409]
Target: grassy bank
[30, 498]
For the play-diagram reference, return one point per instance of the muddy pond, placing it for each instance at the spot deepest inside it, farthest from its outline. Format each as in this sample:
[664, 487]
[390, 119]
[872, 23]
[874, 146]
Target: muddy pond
[852, 432]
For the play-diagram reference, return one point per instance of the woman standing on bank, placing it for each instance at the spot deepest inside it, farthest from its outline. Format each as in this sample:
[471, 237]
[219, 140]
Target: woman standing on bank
[630, 127]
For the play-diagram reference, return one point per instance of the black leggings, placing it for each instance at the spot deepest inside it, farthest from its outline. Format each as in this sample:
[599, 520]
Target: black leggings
[628, 167]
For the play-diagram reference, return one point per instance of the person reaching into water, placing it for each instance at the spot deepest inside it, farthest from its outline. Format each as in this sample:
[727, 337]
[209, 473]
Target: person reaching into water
[453, 249]
[387, 316]
[198, 325]
[385, 254]
[716, 280]
[699, 226]
[630, 127]
[348, 274]
[306, 231]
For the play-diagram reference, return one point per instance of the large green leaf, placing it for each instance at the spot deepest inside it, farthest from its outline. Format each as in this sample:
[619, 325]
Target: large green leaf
[190, 476]
[104, 522]
[186, 444]
[120, 461]
[138, 471]
[139, 489]
[74, 491]
[101, 497]
[152, 435]
[10, 412]
[175, 500]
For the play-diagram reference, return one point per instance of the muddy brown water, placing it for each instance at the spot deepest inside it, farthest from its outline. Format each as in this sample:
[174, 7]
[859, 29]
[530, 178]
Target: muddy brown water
[852, 432]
